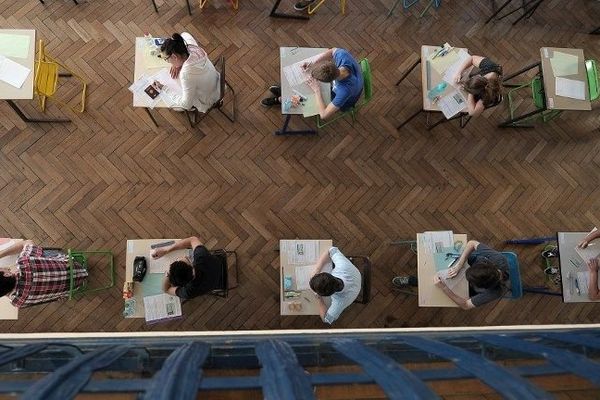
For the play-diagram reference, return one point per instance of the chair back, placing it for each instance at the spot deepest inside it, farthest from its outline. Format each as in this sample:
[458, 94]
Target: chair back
[516, 287]
[367, 80]
[363, 263]
[46, 73]
[226, 283]
[537, 91]
[593, 78]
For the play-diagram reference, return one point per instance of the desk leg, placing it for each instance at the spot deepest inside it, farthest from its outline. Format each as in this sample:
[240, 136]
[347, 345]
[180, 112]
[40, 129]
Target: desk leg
[502, 7]
[540, 290]
[285, 132]
[510, 123]
[188, 7]
[410, 119]
[151, 116]
[155, 8]
[276, 14]
[25, 118]
[412, 67]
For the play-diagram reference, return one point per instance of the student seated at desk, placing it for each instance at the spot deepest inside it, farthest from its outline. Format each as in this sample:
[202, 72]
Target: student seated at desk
[342, 284]
[197, 75]
[487, 276]
[41, 276]
[593, 290]
[335, 66]
[187, 279]
[483, 86]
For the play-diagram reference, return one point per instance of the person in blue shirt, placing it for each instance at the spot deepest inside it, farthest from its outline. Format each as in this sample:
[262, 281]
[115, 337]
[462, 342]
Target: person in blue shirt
[335, 66]
[341, 286]
[338, 67]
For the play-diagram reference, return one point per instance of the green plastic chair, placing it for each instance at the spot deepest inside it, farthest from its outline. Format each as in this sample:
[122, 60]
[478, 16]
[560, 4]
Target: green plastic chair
[367, 93]
[81, 257]
[537, 91]
[593, 77]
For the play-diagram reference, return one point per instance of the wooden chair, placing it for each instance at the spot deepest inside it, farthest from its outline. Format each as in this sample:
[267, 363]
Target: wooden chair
[234, 4]
[229, 272]
[194, 116]
[47, 72]
[363, 263]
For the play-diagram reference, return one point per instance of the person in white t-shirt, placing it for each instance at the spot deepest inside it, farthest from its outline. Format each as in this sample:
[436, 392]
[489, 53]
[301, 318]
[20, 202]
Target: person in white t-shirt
[342, 285]
[197, 75]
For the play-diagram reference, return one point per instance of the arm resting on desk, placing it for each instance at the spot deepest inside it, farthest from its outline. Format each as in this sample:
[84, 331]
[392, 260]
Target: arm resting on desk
[323, 260]
[322, 308]
[465, 304]
[593, 292]
[189, 243]
[15, 248]
[166, 286]
[469, 248]
[595, 234]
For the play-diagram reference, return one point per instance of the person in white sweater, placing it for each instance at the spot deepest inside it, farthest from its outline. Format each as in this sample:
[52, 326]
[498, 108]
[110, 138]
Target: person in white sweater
[197, 75]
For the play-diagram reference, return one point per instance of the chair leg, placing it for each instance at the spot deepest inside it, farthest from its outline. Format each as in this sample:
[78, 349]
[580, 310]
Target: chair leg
[155, 7]
[231, 115]
[189, 7]
[76, 3]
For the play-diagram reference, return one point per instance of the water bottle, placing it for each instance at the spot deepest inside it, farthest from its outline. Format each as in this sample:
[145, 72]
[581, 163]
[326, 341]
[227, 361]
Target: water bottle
[148, 39]
[436, 90]
[287, 105]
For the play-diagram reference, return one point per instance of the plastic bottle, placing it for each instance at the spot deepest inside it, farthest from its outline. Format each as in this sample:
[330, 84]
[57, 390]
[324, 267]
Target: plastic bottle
[148, 39]
[436, 90]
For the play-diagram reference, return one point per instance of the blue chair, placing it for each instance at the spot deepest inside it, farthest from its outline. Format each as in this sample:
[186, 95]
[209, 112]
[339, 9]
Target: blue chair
[516, 291]
[406, 4]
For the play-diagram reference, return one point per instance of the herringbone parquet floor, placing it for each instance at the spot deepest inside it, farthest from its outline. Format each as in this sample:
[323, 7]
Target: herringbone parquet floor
[111, 175]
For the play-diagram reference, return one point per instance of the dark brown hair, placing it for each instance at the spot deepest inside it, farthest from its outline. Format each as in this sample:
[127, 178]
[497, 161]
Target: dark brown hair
[325, 71]
[174, 45]
[484, 274]
[7, 284]
[488, 90]
[325, 284]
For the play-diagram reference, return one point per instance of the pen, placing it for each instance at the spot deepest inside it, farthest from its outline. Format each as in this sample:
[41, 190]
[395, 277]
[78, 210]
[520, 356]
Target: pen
[575, 265]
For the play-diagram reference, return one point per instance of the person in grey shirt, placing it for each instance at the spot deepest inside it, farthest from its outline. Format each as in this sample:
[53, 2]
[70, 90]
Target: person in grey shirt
[487, 275]
[342, 284]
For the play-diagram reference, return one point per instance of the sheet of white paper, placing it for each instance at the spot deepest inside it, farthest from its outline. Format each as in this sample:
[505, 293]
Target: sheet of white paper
[571, 88]
[583, 280]
[301, 252]
[171, 91]
[435, 241]
[294, 73]
[452, 283]
[564, 64]
[161, 306]
[303, 275]
[14, 45]
[453, 69]
[161, 265]
[141, 97]
[452, 103]
[13, 73]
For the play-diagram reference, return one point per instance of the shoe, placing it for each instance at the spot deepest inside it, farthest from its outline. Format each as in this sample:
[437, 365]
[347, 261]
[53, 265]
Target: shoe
[404, 281]
[303, 4]
[270, 101]
[276, 90]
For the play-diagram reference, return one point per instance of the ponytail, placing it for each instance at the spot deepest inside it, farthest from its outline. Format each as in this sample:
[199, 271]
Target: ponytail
[175, 45]
[488, 90]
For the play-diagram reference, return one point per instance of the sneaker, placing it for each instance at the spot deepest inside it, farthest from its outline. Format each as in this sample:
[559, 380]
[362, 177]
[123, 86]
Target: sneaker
[270, 101]
[276, 90]
[303, 4]
[404, 281]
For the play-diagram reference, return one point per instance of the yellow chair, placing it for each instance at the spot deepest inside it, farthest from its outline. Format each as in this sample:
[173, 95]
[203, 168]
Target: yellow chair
[234, 4]
[312, 9]
[46, 78]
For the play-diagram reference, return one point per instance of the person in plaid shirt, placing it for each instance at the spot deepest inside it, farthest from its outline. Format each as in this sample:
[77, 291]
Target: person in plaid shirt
[40, 277]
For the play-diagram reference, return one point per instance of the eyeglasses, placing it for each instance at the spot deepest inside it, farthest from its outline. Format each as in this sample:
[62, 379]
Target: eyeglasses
[164, 57]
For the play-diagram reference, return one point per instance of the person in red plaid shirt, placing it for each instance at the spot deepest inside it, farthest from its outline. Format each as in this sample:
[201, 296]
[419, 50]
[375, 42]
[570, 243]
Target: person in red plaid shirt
[40, 277]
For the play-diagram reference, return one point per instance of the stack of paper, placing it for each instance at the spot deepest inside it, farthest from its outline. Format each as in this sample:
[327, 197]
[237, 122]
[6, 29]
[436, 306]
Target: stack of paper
[571, 88]
[14, 45]
[161, 307]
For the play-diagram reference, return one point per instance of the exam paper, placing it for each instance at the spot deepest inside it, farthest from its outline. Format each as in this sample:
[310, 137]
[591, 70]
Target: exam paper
[294, 73]
[583, 280]
[301, 252]
[13, 73]
[571, 88]
[171, 92]
[453, 69]
[303, 275]
[141, 97]
[14, 45]
[161, 306]
[435, 241]
[453, 283]
[452, 103]
[564, 64]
